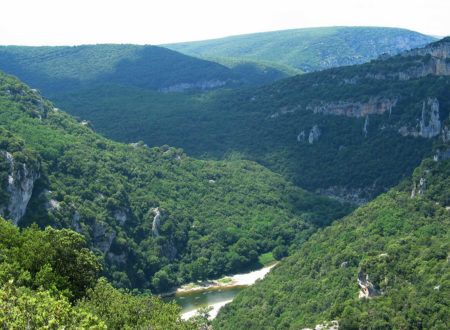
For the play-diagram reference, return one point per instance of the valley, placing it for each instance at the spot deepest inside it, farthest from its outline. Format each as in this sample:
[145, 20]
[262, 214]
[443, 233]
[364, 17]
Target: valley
[293, 179]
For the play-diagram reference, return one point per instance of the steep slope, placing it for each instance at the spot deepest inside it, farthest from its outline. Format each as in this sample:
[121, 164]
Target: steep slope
[156, 216]
[349, 132]
[309, 49]
[386, 266]
[59, 69]
[49, 280]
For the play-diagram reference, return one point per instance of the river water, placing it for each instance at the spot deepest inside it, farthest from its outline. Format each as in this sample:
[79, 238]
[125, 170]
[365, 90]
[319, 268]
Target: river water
[215, 296]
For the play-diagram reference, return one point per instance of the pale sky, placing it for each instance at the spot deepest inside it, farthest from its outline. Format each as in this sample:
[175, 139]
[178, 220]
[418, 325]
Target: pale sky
[72, 22]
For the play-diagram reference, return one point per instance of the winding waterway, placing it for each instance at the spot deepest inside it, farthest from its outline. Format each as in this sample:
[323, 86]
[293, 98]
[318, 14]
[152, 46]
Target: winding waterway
[214, 294]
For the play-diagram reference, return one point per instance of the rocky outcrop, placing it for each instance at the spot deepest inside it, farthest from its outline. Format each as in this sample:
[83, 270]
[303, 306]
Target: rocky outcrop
[103, 237]
[301, 137]
[357, 196]
[366, 288]
[441, 154]
[156, 221]
[121, 216]
[429, 125]
[314, 134]
[200, 85]
[445, 134]
[366, 126]
[436, 63]
[419, 188]
[439, 49]
[19, 187]
[375, 106]
[333, 325]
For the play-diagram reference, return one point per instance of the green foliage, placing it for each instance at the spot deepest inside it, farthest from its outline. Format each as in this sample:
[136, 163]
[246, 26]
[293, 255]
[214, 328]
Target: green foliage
[307, 49]
[21, 308]
[226, 212]
[400, 242]
[264, 124]
[60, 69]
[48, 281]
[50, 259]
[122, 310]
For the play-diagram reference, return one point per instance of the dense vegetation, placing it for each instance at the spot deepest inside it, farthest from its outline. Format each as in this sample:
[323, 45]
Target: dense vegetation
[308, 49]
[49, 280]
[401, 243]
[214, 217]
[59, 69]
[265, 124]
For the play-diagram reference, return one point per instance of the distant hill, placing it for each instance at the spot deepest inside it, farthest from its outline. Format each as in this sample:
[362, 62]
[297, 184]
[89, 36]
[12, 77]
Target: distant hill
[350, 132]
[58, 69]
[309, 49]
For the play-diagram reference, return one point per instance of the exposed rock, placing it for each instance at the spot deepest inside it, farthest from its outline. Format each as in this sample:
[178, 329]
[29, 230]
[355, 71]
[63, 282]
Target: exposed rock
[376, 106]
[211, 181]
[53, 204]
[344, 264]
[314, 134]
[102, 238]
[333, 325]
[445, 134]
[283, 111]
[201, 85]
[156, 221]
[419, 189]
[301, 137]
[437, 64]
[76, 221]
[366, 125]
[367, 290]
[20, 186]
[429, 124]
[120, 216]
[139, 144]
[441, 155]
[355, 196]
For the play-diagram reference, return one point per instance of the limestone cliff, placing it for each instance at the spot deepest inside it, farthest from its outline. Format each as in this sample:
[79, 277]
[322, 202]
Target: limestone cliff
[19, 187]
[200, 85]
[354, 109]
[367, 289]
[429, 124]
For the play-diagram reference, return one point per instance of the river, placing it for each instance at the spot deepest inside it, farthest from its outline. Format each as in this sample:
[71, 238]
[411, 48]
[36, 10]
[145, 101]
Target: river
[214, 294]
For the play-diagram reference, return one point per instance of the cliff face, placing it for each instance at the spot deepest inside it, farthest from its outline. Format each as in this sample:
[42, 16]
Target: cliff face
[436, 61]
[355, 109]
[19, 187]
[429, 125]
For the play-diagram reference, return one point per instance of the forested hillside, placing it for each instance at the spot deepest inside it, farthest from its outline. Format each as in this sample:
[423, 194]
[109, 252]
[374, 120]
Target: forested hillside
[349, 132]
[55, 70]
[156, 217]
[49, 280]
[309, 49]
[383, 267]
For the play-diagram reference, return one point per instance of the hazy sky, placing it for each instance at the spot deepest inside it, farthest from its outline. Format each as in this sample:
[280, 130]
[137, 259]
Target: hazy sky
[69, 22]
